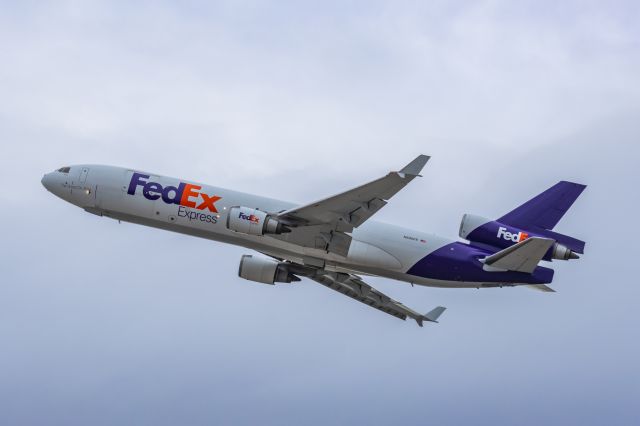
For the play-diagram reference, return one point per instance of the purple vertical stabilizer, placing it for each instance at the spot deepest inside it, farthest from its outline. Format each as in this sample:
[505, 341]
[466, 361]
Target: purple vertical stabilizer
[544, 211]
[540, 214]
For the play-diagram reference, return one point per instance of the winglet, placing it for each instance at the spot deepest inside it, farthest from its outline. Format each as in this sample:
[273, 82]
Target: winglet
[415, 167]
[431, 316]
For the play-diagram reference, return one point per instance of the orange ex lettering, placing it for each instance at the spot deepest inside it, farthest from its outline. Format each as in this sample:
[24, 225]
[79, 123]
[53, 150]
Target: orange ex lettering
[189, 191]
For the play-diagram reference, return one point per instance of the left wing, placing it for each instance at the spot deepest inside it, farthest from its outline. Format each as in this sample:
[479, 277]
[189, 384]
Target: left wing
[330, 219]
[352, 208]
[353, 286]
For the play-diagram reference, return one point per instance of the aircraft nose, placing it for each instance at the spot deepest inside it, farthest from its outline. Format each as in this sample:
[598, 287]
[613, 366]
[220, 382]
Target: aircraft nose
[46, 181]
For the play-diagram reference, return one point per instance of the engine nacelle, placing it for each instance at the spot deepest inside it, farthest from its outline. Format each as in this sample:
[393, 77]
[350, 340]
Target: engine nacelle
[254, 222]
[470, 223]
[264, 270]
[492, 233]
[562, 252]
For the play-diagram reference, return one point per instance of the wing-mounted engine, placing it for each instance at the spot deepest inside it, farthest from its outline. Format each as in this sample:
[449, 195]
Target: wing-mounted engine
[495, 234]
[265, 270]
[254, 222]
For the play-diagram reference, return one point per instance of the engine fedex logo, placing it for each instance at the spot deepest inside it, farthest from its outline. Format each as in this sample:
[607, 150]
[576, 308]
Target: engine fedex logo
[510, 236]
[250, 217]
[185, 194]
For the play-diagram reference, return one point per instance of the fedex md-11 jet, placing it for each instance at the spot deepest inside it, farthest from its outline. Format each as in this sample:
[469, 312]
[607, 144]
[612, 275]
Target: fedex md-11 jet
[332, 241]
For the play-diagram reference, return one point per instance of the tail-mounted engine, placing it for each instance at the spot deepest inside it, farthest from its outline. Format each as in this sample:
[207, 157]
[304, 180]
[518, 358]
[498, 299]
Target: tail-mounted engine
[265, 270]
[494, 234]
[254, 222]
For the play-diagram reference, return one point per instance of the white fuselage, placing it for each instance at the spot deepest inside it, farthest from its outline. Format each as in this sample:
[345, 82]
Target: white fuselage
[377, 248]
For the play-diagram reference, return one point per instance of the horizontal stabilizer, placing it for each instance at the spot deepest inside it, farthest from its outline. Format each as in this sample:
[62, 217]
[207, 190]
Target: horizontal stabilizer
[522, 257]
[541, 287]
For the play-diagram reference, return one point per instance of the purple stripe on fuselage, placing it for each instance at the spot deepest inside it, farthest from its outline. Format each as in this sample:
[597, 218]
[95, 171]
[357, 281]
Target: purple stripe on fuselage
[460, 262]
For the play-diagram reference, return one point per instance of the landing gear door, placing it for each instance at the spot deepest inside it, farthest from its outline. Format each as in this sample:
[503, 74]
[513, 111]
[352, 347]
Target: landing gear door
[82, 192]
[83, 175]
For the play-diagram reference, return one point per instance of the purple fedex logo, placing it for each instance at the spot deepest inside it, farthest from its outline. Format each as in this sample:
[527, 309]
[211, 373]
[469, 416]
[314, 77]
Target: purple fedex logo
[511, 236]
[185, 194]
[250, 217]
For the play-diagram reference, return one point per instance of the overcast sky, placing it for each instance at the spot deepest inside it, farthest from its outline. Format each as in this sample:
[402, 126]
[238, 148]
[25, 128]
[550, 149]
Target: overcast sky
[99, 322]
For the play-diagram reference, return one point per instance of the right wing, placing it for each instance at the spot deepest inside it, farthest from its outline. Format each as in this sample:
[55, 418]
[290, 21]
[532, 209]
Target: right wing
[354, 287]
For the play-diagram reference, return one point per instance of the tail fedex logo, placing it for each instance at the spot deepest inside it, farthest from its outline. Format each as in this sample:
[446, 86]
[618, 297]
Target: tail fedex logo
[185, 194]
[250, 217]
[510, 236]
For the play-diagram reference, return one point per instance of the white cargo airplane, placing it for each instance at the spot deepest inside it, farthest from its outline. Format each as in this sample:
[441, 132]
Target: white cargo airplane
[332, 241]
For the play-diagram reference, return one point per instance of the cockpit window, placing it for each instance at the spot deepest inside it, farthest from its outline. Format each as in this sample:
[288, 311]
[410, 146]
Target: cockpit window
[64, 170]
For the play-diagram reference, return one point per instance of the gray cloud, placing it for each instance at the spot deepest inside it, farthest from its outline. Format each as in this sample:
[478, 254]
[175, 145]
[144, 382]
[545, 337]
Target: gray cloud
[108, 323]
